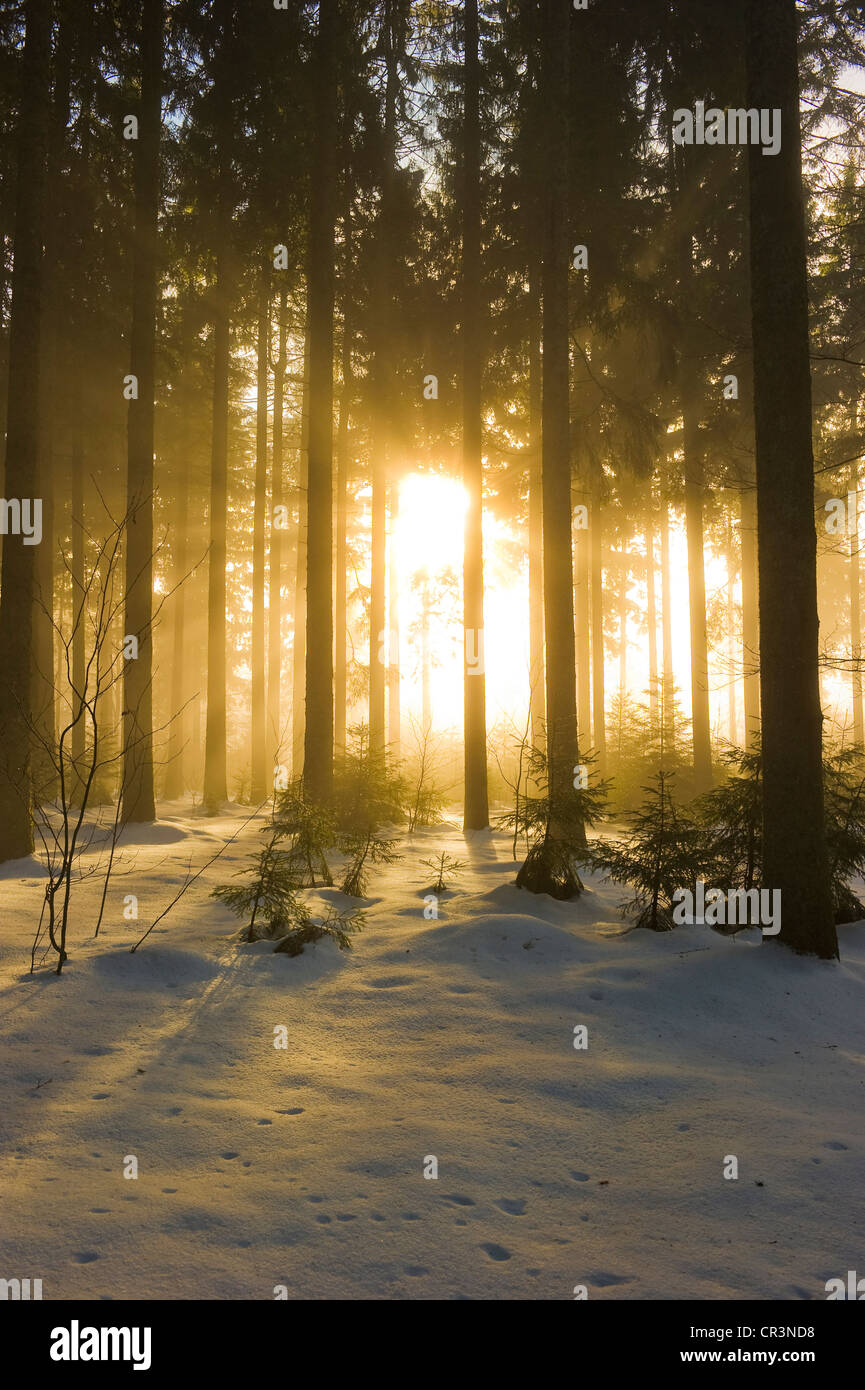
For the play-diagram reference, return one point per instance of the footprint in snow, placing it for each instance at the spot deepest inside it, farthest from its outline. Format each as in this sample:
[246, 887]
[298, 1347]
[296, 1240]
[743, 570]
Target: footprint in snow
[85, 1257]
[496, 1252]
[603, 1280]
[228, 1154]
[415, 1271]
[458, 1199]
[580, 1177]
[834, 1144]
[514, 1206]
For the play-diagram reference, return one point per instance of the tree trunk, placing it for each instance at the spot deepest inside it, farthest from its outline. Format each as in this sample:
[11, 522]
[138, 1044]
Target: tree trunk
[750, 613]
[298, 654]
[394, 716]
[274, 629]
[732, 720]
[318, 733]
[476, 806]
[536, 564]
[425, 655]
[215, 769]
[652, 624]
[175, 773]
[551, 871]
[76, 574]
[596, 552]
[340, 672]
[22, 438]
[855, 621]
[258, 693]
[668, 680]
[623, 624]
[44, 689]
[582, 558]
[696, 576]
[138, 794]
[794, 847]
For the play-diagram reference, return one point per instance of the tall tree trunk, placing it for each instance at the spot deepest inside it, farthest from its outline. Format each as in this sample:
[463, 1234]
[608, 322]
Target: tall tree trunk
[298, 654]
[696, 575]
[855, 620]
[340, 670]
[582, 610]
[274, 616]
[536, 564]
[76, 574]
[22, 438]
[596, 552]
[668, 680]
[44, 689]
[732, 720]
[476, 806]
[794, 846]
[383, 268]
[175, 772]
[138, 795]
[623, 624]
[394, 715]
[652, 624]
[750, 613]
[551, 871]
[215, 767]
[258, 693]
[425, 655]
[318, 734]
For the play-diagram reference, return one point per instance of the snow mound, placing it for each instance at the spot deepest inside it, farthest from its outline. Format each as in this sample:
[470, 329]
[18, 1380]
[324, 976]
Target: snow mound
[513, 940]
[158, 968]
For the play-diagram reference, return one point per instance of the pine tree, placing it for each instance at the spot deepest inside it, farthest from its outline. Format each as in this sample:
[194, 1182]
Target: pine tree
[660, 856]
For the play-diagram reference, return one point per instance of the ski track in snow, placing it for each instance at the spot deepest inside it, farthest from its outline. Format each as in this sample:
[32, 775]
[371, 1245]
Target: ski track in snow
[304, 1167]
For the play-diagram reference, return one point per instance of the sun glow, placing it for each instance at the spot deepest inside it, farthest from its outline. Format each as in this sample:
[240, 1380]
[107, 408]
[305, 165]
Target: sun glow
[427, 549]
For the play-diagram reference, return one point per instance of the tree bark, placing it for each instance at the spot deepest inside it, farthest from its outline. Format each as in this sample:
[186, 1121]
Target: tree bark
[340, 672]
[856, 620]
[318, 733]
[694, 485]
[652, 624]
[536, 563]
[22, 438]
[138, 793]
[215, 767]
[596, 553]
[476, 813]
[258, 692]
[274, 616]
[794, 847]
[298, 654]
[561, 676]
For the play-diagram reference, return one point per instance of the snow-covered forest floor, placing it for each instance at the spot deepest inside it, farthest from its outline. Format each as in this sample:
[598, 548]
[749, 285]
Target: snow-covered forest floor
[304, 1167]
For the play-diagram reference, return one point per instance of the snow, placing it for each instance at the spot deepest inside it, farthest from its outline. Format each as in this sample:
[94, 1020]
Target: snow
[304, 1167]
